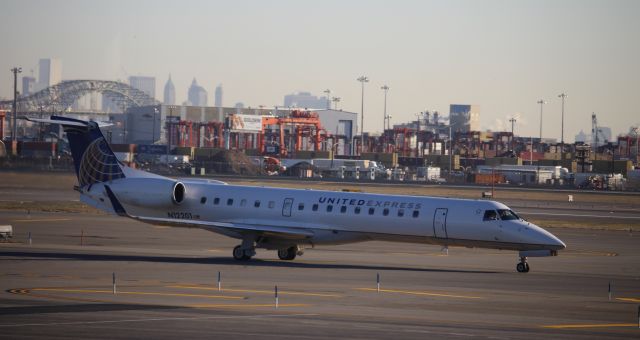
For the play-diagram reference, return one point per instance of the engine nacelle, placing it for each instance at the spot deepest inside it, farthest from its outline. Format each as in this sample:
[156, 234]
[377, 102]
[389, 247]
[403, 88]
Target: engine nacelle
[149, 192]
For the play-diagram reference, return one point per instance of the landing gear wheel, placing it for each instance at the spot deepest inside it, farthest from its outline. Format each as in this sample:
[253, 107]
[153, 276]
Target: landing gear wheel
[240, 254]
[288, 254]
[523, 266]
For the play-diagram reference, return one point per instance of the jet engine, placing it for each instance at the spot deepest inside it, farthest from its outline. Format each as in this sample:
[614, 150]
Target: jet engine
[149, 192]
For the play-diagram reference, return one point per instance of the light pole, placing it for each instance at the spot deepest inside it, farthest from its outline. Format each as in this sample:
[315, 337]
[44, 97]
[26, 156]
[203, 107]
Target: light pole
[562, 96]
[328, 93]
[362, 80]
[541, 102]
[335, 101]
[14, 133]
[450, 150]
[513, 121]
[385, 88]
[155, 114]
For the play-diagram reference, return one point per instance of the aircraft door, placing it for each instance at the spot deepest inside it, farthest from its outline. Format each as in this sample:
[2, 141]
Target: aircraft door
[286, 207]
[440, 223]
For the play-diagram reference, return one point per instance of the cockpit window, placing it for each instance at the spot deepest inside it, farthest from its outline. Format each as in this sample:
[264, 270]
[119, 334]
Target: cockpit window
[507, 215]
[490, 215]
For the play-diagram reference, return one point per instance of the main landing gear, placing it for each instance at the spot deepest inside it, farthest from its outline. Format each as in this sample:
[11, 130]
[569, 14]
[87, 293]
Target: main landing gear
[288, 254]
[241, 254]
[247, 250]
[523, 266]
[244, 251]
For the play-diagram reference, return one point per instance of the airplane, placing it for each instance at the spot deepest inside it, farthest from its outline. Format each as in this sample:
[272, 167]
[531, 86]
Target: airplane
[290, 220]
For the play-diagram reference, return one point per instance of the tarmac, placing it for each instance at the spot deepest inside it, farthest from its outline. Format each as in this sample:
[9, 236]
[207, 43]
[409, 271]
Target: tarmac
[57, 279]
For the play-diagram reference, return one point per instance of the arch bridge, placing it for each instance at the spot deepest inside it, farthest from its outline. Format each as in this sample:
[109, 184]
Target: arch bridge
[61, 96]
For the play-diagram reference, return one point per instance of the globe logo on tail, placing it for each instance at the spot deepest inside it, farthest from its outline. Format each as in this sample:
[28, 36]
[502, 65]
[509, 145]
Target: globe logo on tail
[98, 164]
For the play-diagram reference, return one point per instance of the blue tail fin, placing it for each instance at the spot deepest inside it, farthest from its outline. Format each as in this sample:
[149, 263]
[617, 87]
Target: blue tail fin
[93, 159]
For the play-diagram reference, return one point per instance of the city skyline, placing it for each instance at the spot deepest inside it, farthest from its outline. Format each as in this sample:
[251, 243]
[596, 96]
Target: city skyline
[501, 56]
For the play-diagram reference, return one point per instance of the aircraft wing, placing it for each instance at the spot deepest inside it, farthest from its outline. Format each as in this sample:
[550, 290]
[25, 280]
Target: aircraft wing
[280, 232]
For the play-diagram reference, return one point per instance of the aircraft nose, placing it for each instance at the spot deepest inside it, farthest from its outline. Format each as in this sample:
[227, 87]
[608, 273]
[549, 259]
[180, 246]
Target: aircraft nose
[550, 240]
[554, 241]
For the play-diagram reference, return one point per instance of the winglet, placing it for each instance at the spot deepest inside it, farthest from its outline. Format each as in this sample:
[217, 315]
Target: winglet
[117, 207]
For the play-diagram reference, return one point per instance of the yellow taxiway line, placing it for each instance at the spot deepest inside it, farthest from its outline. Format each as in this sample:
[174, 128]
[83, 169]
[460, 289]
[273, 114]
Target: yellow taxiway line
[258, 291]
[628, 299]
[269, 305]
[420, 293]
[43, 220]
[63, 290]
[600, 325]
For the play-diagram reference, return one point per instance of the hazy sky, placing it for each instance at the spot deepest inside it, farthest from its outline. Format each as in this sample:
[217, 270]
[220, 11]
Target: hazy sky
[501, 55]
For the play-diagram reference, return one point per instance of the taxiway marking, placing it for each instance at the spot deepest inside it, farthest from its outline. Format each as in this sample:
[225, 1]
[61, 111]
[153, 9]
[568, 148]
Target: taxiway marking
[64, 290]
[270, 305]
[258, 291]
[577, 215]
[420, 293]
[43, 220]
[156, 319]
[602, 325]
[628, 299]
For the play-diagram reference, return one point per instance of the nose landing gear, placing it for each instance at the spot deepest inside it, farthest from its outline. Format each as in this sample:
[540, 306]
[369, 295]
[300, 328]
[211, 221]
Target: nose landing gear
[523, 266]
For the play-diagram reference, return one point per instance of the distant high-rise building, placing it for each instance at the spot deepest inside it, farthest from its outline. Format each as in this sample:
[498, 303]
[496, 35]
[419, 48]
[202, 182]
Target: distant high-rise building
[197, 94]
[464, 118]
[144, 84]
[169, 93]
[50, 72]
[305, 100]
[218, 101]
[28, 85]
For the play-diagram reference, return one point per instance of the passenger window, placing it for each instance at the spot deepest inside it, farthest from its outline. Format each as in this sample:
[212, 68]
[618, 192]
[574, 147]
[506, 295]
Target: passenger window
[256, 204]
[243, 203]
[357, 210]
[490, 215]
[203, 200]
[372, 211]
[272, 204]
[400, 212]
[230, 201]
[416, 213]
[343, 209]
[216, 200]
[301, 206]
[329, 208]
[385, 212]
[315, 207]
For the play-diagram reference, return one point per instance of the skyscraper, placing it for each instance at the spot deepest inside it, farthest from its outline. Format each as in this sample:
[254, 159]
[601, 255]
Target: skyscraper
[218, 102]
[169, 93]
[50, 72]
[197, 94]
[28, 85]
[144, 84]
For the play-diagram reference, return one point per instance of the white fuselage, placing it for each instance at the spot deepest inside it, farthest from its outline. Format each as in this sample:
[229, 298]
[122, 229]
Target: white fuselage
[327, 217]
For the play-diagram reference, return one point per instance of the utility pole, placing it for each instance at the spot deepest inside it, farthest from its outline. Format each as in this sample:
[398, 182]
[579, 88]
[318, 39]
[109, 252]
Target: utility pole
[385, 88]
[362, 80]
[512, 120]
[14, 133]
[328, 93]
[562, 96]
